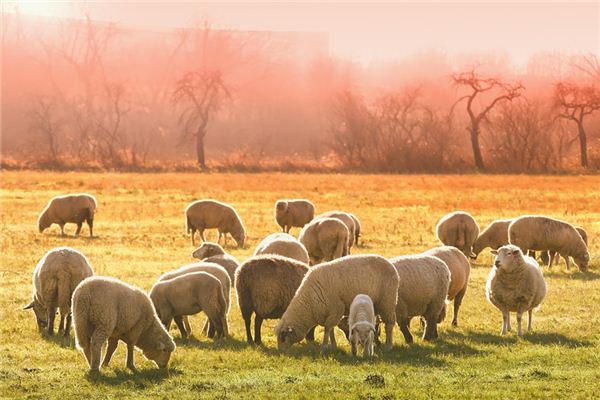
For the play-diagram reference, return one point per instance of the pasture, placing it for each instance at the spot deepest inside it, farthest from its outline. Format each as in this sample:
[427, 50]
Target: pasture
[140, 234]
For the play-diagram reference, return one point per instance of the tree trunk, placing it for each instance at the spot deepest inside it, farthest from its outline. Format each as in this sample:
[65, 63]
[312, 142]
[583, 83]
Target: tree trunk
[200, 148]
[476, 149]
[582, 144]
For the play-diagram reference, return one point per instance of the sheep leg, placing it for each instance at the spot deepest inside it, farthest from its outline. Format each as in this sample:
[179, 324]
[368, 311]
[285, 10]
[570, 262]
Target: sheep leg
[529, 320]
[87, 354]
[96, 341]
[403, 324]
[332, 342]
[51, 316]
[90, 222]
[79, 225]
[327, 335]
[550, 261]
[247, 322]
[201, 232]
[353, 348]
[430, 329]
[310, 336]
[68, 325]
[181, 326]
[219, 239]
[505, 322]
[211, 328]
[457, 303]
[519, 321]
[110, 349]
[206, 327]
[257, 325]
[567, 261]
[130, 363]
[193, 232]
[62, 229]
[187, 325]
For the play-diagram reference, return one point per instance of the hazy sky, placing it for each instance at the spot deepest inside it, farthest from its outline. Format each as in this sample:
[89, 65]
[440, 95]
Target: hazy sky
[381, 31]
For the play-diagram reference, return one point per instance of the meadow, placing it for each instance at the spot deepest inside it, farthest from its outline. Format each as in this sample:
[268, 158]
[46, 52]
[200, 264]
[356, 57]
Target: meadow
[140, 234]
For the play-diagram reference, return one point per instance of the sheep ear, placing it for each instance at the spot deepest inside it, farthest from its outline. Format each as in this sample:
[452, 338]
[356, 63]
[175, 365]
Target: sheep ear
[515, 252]
[494, 252]
[28, 306]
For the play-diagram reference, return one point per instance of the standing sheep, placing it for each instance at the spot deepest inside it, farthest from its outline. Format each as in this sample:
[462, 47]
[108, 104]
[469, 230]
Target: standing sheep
[495, 235]
[265, 286]
[357, 228]
[424, 282]
[213, 252]
[283, 244]
[108, 309]
[189, 294]
[458, 229]
[545, 256]
[209, 214]
[537, 232]
[460, 269]
[55, 278]
[361, 321]
[515, 284]
[327, 291]
[294, 212]
[74, 208]
[325, 239]
[346, 219]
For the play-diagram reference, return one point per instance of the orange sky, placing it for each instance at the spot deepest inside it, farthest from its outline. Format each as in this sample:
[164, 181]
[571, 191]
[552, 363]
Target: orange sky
[383, 31]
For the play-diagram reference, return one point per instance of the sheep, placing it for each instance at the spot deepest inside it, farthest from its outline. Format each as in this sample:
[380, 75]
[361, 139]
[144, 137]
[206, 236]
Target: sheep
[460, 269]
[346, 219]
[74, 208]
[209, 267]
[213, 252]
[515, 284]
[55, 277]
[537, 232]
[208, 214]
[283, 244]
[189, 294]
[327, 291]
[357, 228]
[545, 255]
[424, 283]
[495, 235]
[108, 309]
[293, 212]
[458, 229]
[361, 321]
[265, 286]
[325, 239]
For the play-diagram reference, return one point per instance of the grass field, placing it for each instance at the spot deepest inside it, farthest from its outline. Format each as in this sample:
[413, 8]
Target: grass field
[140, 234]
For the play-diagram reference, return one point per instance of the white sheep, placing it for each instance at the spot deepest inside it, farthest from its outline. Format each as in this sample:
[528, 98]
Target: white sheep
[495, 235]
[325, 239]
[74, 208]
[515, 284]
[361, 321]
[327, 291]
[458, 229]
[347, 219]
[55, 277]
[213, 252]
[293, 213]
[107, 309]
[209, 214]
[283, 244]
[545, 256]
[357, 228]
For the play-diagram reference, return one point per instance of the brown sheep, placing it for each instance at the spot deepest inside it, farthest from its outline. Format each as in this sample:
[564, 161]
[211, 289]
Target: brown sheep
[74, 208]
[209, 214]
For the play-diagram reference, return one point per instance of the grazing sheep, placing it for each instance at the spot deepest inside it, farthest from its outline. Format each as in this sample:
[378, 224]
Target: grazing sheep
[213, 252]
[361, 321]
[460, 269]
[495, 235]
[189, 294]
[346, 219]
[283, 244]
[209, 267]
[294, 212]
[74, 208]
[424, 282]
[327, 291]
[357, 228]
[55, 278]
[537, 232]
[325, 239]
[265, 286]
[545, 256]
[458, 229]
[209, 214]
[515, 284]
[108, 309]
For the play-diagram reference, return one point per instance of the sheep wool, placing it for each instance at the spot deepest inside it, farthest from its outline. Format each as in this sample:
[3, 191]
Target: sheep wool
[495, 235]
[210, 214]
[213, 252]
[361, 324]
[293, 213]
[70, 208]
[325, 239]
[346, 219]
[283, 244]
[458, 229]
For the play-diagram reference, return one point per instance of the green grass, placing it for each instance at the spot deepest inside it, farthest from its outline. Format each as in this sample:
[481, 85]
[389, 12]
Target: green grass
[140, 235]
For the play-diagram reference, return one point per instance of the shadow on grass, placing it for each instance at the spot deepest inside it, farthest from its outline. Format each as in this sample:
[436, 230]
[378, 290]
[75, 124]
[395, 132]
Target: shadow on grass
[140, 378]
[206, 343]
[60, 339]
[577, 275]
[511, 338]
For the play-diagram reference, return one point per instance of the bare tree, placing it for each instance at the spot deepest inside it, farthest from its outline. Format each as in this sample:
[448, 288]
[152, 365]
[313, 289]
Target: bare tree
[574, 103]
[589, 64]
[479, 87]
[109, 120]
[201, 95]
[46, 127]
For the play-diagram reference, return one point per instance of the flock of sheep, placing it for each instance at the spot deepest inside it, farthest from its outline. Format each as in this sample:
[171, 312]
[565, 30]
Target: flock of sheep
[303, 282]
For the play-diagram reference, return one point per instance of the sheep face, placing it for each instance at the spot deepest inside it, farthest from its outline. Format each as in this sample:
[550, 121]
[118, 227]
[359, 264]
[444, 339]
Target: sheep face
[239, 236]
[208, 249]
[281, 208]
[582, 261]
[160, 353]
[507, 258]
[362, 333]
[43, 222]
[286, 337]
[40, 313]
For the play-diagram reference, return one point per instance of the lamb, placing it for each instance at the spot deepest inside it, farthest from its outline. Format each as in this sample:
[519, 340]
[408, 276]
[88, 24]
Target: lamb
[537, 232]
[209, 267]
[108, 309]
[208, 214]
[55, 277]
[545, 255]
[265, 286]
[460, 269]
[74, 208]
[213, 252]
[327, 291]
[495, 235]
[346, 219]
[515, 284]
[189, 294]
[424, 283]
[294, 212]
[283, 244]
[357, 228]
[458, 229]
[325, 239]
[361, 321]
